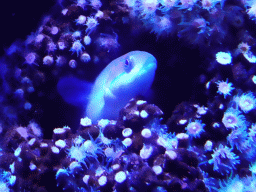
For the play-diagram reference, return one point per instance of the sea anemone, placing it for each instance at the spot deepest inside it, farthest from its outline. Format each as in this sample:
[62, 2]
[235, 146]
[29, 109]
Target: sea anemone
[224, 87]
[223, 159]
[246, 101]
[238, 137]
[233, 184]
[91, 24]
[162, 26]
[195, 128]
[77, 47]
[31, 58]
[233, 118]
[82, 150]
[148, 8]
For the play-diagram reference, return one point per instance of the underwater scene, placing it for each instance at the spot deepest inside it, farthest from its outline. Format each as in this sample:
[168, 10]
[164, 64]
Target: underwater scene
[128, 95]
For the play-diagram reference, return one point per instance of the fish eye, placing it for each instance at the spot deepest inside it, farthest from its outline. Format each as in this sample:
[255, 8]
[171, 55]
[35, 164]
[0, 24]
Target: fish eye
[128, 64]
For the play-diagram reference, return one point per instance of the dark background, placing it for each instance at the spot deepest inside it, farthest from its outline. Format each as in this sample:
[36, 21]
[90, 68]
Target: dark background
[19, 18]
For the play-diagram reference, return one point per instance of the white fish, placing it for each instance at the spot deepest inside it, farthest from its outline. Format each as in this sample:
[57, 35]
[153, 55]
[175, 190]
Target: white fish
[127, 76]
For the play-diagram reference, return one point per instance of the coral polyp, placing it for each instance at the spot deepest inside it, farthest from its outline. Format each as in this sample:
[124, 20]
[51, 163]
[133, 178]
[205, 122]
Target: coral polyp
[223, 159]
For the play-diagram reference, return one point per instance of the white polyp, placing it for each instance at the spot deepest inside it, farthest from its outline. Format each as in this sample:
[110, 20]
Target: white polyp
[102, 180]
[127, 142]
[127, 132]
[171, 154]
[43, 145]
[182, 121]
[208, 145]
[55, 150]
[17, 152]
[86, 121]
[157, 169]
[31, 141]
[143, 114]
[140, 102]
[32, 166]
[120, 177]
[115, 166]
[146, 151]
[60, 143]
[86, 179]
[146, 133]
[109, 152]
[59, 130]
[182, 136]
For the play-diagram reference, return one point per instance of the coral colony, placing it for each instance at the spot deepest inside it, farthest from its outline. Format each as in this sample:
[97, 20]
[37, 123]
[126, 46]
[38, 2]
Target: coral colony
[206, 144]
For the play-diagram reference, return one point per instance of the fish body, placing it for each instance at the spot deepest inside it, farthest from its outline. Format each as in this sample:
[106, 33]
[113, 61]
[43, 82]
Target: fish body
[122, 79]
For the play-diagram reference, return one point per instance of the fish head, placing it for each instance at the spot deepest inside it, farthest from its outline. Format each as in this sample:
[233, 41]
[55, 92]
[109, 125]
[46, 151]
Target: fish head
[130, 75]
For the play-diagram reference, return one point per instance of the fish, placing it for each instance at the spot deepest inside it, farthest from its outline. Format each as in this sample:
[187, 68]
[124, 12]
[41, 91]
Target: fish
[124, 78]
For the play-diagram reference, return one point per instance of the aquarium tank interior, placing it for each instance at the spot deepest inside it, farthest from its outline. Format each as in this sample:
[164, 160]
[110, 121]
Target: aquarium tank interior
[128, 96]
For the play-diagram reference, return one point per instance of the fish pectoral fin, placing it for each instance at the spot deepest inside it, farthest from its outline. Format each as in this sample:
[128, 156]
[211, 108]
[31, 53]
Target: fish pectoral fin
[108, 94]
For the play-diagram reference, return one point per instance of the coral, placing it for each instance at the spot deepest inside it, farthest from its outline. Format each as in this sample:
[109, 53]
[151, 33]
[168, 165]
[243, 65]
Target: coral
[209, 4]
[246, 101]
[148, 8]
[252, 11]
[223, 58]
[224, 87]
[91, 24]
[250, 57]
[77, 150]
[233, 184]
[77, 47]
[4, 187]
[162, 26]
[196, 30]
[92, 164]
[48, 60]
[223, 159]
[51, 47]
[233, 118]
[238, 137]
[253, 168]
[87, 40]
[205, 54]
[81, 20]
[252, 133]
[195, 128]
[31, 58]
